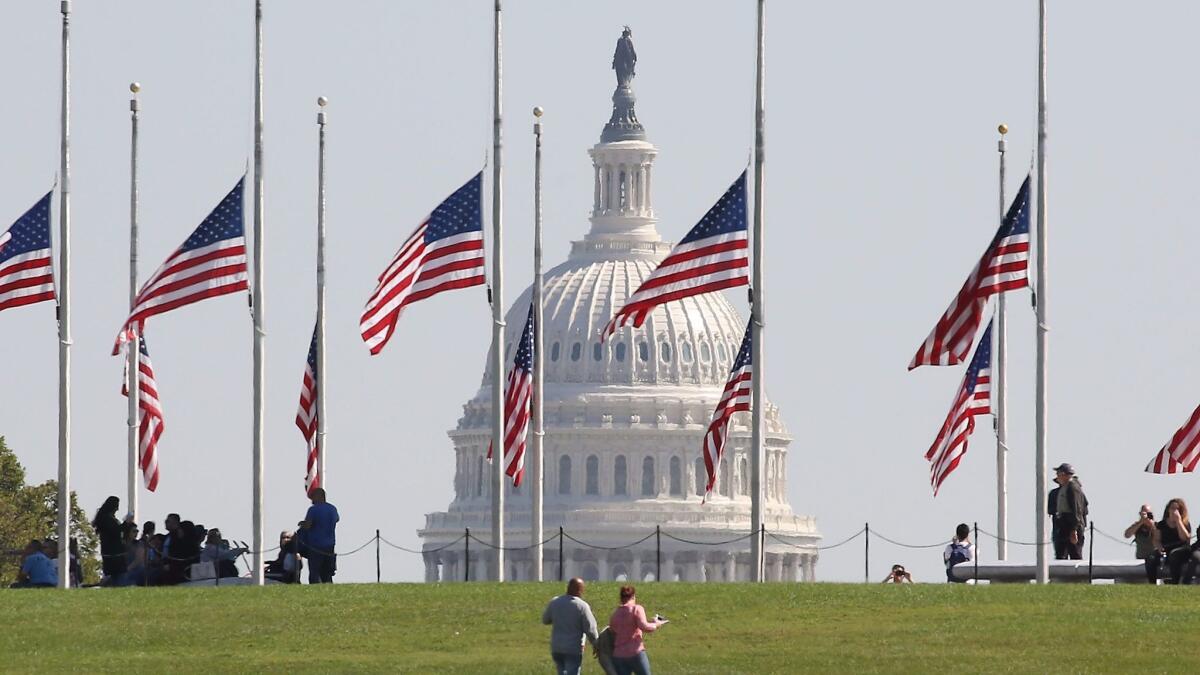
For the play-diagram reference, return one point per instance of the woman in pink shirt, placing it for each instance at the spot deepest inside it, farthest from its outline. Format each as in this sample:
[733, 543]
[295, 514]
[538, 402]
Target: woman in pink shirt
[627, 624]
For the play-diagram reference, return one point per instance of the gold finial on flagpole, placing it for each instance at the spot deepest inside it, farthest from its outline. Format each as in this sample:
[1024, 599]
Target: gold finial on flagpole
[1003, 129]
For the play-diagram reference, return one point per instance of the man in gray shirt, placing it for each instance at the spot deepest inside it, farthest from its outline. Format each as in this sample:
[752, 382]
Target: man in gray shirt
[571, 620]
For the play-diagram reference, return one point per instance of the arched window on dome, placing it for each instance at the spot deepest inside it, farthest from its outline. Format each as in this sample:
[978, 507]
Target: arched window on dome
[648, 489]
[744, 483]
[576, 351]
[620, 352]
[701, 476]
[554, 351]
[597, 352]
[592, 475]
[721, 353]
[665, 351]
[705, 353]
[564, 475]
[685, 351]
[620, 476]
[676, 477]
[644, 350]
[623, 193]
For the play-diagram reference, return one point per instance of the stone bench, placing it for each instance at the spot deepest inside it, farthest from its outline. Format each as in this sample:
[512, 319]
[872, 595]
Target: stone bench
[1068, 571]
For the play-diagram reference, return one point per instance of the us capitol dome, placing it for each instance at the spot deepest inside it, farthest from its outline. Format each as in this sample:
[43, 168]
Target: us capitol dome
[625, 420]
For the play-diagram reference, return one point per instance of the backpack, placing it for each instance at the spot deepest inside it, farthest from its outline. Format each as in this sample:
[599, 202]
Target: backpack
[958, 554]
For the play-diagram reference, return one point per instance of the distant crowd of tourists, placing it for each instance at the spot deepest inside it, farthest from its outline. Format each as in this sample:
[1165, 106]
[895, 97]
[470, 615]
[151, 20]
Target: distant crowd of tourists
[186, 551]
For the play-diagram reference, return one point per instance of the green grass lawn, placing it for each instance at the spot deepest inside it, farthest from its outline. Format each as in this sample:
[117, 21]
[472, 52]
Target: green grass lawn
[717, 628]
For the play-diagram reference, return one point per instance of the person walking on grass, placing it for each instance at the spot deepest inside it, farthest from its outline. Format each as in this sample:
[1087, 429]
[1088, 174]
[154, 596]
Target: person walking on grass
[628, 624]
[570, 620]
[319, 526]
[1070, 514]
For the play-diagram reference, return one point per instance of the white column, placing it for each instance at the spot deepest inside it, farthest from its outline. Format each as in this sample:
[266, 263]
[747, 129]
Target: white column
[635, 569]
[731, 566]
[596, 198]
[602, 564]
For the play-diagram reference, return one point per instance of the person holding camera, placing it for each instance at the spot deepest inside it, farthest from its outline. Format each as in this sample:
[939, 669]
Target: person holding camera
[628, 623]
[1142, 532]
[1172, 535]
[898, 575]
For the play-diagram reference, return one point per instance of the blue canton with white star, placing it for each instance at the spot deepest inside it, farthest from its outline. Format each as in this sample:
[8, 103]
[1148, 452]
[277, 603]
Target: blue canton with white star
[1016, 221]
[225, 222]
[524, 357]
[461, 212]
[982, 360]
[727, 215]
[31, 232]
[744, 355]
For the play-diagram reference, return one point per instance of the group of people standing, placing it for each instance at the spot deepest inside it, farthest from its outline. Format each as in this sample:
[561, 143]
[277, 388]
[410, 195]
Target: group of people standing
[619, 648]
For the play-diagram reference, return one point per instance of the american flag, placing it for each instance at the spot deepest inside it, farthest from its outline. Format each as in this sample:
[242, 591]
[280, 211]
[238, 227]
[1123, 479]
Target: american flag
[973, 398]
[445, 252]
[211, 262]
[26, 274]
[307, 418]
[711, 257]
[151, 427]
[736, 398]
[1004, 267]
[1182, 453]
[517, 398]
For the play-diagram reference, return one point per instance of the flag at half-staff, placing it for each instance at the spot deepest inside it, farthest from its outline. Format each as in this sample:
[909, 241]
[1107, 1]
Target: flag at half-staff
[1182, 453]
[151, 426]
[26, 270]
[445, 252]
[712, 256]
[1003, 267]
[517, 397]
[308, 419]
[210, 263]
[735, 398]
[972, 399]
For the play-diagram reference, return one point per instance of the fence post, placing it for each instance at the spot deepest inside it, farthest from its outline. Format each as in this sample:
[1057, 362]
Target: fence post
[658, 553]
[376, 555]
[975, 555]
[867, 553]
[1091, 544]
[560, 553]
[467, 555]
[762, 547]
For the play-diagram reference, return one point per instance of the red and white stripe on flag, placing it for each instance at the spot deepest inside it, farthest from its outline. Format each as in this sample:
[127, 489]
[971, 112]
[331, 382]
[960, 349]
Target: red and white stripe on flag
[1182, 453]
[26, 270]
[518, 398]
[150, 428]
[1003, 267]
[444, 253]
[307, 418]
[735, 398]
[211, 262]
[713, 256]
[972, 399]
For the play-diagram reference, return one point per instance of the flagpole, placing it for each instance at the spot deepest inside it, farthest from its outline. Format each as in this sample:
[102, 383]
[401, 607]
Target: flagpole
[497, 316]
[133, 374]
[1043, 564]
[256, 574]
[535, 486]
[64, 313]
[1001, 389]
[320, 374]
[758, 321]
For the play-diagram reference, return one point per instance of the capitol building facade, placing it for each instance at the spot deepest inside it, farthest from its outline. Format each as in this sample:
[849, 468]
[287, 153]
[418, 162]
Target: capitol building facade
[625, 419]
